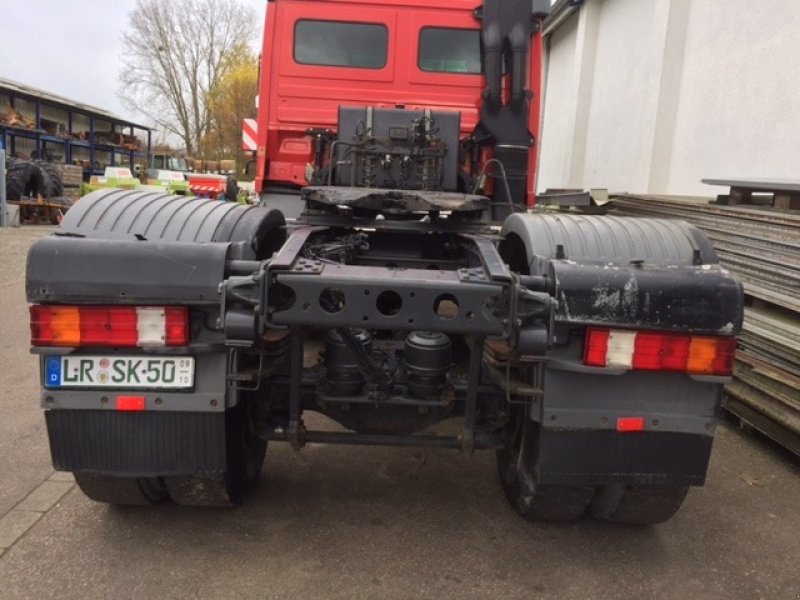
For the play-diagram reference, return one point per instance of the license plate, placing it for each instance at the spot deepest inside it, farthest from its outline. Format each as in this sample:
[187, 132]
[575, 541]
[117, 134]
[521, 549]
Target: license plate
[124, 372]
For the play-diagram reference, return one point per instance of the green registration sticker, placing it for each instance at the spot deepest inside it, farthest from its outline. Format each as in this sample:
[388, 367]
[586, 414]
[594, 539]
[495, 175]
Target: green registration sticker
[123, 372]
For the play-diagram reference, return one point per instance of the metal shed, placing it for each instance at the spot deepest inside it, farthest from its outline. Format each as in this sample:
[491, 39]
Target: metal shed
[40, 124]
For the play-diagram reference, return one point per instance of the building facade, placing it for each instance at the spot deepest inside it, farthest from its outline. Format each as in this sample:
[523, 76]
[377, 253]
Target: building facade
[651, 96]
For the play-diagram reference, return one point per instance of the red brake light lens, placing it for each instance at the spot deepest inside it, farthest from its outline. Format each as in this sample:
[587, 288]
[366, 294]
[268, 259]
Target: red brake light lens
[105, 326]
[660, 352]
[176, 326]
[109, 326]
[596, 347]
[42, 328]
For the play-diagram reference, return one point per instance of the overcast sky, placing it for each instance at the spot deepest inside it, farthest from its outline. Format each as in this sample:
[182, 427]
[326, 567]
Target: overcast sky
[72, 47]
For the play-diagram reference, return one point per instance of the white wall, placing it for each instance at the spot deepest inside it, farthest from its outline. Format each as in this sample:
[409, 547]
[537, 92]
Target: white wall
[654, 95]
[559, 107]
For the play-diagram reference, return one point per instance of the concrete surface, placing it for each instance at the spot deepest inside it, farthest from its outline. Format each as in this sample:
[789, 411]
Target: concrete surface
[340, 522]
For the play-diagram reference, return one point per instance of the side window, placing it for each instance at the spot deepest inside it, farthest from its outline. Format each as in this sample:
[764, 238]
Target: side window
[337, 44]
[443, 50]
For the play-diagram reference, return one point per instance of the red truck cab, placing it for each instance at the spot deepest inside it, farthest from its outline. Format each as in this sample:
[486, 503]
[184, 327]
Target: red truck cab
[411, 54]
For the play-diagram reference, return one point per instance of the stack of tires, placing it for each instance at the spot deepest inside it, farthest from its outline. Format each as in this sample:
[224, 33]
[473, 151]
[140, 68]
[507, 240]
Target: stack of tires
[34, 179]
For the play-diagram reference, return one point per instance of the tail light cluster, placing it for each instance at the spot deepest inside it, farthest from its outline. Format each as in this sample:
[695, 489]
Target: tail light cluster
[117, 326]
[656, 351]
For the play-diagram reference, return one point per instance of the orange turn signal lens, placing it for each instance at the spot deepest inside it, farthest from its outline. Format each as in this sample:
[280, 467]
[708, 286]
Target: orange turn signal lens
[66, 324]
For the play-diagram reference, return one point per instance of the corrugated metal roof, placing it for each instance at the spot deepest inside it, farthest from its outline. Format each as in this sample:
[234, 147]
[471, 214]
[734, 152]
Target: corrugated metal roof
[20, 89]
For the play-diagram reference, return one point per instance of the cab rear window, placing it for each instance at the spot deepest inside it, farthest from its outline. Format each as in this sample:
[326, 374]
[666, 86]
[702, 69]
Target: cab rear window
[444, 50]
[339, 44]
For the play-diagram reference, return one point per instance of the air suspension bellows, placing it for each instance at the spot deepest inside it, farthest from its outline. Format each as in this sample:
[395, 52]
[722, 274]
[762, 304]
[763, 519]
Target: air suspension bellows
[344, 372]
[427, 358]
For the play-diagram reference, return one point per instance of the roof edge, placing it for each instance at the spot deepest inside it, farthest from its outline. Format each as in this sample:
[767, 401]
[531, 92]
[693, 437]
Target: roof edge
[560, 12]
[22, 89]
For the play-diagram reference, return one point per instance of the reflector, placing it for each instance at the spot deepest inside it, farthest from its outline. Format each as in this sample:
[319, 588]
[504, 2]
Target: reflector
[626, 424]
[130, 403]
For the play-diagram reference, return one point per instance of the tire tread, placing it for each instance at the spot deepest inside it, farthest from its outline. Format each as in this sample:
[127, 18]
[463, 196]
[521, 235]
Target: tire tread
[637, 504]
[126, 491]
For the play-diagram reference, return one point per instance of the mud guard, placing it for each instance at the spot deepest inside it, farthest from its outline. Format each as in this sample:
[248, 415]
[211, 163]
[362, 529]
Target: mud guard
[157, 217]
[67, 269]
[632, 272]
[636, 274]
[132, 246]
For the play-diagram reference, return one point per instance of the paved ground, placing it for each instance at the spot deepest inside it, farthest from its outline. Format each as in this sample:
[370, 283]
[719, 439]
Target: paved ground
[372, 523]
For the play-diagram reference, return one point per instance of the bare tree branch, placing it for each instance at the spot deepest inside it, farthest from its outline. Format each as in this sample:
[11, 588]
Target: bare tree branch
[173, 55]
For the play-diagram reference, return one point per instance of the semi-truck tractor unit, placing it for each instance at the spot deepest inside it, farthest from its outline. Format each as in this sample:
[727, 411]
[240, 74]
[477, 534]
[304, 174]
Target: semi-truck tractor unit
[395, 279]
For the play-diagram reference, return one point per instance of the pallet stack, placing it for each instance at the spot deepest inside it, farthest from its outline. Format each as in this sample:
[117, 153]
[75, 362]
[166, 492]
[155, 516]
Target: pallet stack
[71, 179]
[761, 246]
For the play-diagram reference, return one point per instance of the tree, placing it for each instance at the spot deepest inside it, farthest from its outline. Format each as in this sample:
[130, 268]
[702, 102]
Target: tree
[173, 55]
[231, 99]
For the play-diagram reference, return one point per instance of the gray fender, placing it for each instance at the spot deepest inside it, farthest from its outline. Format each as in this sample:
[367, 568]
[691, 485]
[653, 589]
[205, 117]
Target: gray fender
[632, 272]
[593, 239]
[158, 217]
[128, 247]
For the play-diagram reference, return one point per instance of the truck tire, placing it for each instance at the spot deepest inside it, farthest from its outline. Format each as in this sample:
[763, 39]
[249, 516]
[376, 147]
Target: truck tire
[56, 216]
[26, 179]
[126, 491]
[231, 190]
[529, 499]
[245, 454]
[56, 187]
[637, 504]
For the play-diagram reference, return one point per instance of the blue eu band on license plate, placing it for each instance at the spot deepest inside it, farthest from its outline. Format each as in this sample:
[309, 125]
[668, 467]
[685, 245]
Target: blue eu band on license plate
[123, 372]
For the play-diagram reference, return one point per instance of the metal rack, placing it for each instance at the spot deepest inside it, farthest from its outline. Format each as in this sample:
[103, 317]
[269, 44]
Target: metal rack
[761, 245]
[73, 110]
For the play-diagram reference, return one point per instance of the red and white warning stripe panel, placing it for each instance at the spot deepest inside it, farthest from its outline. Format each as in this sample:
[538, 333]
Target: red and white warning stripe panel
[249, 134]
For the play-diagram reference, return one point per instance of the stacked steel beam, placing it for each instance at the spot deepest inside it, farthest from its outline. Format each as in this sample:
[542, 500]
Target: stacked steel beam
[762, 247]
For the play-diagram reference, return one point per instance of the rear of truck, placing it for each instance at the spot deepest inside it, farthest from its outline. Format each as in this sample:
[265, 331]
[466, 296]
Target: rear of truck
[135, 369]
[178, 337]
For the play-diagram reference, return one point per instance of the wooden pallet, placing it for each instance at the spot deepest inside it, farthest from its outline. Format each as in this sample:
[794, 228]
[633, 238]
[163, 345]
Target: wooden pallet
[43, 210]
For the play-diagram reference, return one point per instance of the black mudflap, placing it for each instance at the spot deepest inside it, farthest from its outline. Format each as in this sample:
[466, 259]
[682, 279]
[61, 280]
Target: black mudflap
[141, 444]
[574, 457]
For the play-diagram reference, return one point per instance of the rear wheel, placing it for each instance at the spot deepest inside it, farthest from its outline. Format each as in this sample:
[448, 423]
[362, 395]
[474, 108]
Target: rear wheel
[637, 504]
[231, 190]
[532, 500]
[56, 215]
[26, 179]
[131, 491]
[245, 454]
[55, 187]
